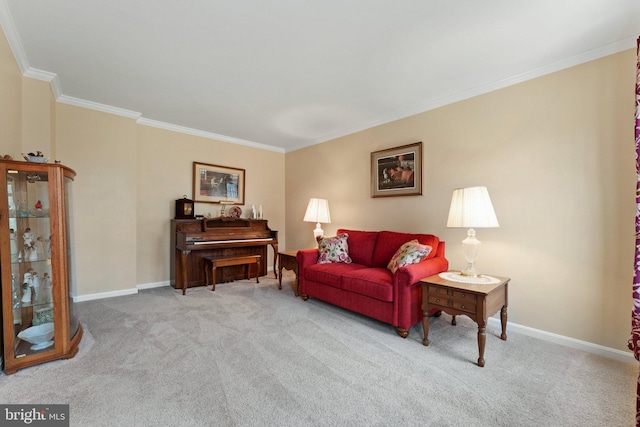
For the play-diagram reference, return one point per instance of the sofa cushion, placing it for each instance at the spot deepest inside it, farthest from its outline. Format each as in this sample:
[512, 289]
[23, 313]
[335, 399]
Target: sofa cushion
[373, 282]
[330, 274]
[361, 245]
[389, 241]
[333, 249]
[411, 252]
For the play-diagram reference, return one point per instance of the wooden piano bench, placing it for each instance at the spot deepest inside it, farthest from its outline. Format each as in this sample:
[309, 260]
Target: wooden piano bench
[212, 263]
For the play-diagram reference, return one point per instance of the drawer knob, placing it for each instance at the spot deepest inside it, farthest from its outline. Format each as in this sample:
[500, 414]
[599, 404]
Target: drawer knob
[438, 300]
[462, 306]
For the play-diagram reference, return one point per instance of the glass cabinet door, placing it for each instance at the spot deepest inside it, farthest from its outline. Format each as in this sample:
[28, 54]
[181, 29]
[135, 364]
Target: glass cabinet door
[74, 323]
[32, 278]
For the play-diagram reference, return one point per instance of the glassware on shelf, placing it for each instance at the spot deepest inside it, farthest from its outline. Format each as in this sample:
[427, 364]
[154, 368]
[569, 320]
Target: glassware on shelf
[23, 210]
[13, 243]
[26, 294]
[16, 293]
[40, 336]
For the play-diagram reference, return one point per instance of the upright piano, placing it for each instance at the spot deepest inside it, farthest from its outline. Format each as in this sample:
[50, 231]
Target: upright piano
[222, 237]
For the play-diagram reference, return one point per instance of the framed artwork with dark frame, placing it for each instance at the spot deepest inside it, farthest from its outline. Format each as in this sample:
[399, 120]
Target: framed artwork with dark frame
[397, 171]
[215, 184]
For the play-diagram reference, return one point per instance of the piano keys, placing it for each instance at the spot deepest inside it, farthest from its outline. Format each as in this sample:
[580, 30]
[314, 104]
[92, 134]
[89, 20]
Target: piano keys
[223, 237]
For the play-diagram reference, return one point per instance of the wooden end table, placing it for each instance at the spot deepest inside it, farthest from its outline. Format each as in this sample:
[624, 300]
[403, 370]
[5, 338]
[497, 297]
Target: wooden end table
[477, 301]
[288, 260]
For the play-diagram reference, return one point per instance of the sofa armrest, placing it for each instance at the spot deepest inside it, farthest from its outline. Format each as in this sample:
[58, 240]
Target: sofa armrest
[306, 257]
[412, 273]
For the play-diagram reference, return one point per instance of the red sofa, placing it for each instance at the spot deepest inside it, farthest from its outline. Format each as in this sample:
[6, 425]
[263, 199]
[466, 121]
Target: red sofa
[366, 286]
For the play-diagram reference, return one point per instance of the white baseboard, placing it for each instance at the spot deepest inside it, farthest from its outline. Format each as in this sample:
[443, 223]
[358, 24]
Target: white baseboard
[102, 295]
[120, 293]
[625, 356]
[153, 285]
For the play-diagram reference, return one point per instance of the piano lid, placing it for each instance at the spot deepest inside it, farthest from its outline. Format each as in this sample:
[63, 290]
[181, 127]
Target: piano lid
[225, 221]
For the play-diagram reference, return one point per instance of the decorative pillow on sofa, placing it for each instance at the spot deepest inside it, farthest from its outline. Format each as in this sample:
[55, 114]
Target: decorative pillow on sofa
[333, 249]
[411, 252]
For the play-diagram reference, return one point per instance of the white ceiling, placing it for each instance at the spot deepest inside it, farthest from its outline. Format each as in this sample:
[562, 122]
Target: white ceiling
[285, 74]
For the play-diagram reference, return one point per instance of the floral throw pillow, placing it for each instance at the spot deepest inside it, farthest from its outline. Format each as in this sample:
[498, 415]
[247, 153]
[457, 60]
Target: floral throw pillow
[333, 249]
[411, 252]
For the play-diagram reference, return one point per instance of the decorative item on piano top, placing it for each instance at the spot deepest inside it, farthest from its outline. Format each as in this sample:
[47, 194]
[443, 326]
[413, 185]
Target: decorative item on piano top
[184, 208]
[223, 208]
[235, 212]
[256, 213]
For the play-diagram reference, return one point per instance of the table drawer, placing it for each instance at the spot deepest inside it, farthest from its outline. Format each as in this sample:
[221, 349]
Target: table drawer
[468, 306]
[441, 300]
[463, 296]
[437, 290]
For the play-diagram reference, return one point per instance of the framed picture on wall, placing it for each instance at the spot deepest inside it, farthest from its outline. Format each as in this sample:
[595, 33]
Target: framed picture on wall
[215, 184]
[397, 171]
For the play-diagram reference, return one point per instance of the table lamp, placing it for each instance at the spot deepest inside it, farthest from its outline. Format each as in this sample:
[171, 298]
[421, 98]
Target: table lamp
[471, 208]
[318, 212]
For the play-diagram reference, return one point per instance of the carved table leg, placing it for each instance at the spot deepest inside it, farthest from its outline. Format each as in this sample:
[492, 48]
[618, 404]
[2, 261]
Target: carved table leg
[279, 274]
[213, 277]
[453, 320]
[425, 326]
[482, 339]
[503, 321]
[258, 272]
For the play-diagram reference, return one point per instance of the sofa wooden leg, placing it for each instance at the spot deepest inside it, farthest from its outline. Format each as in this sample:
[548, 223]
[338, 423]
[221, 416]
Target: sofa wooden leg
[402, 332]
[304, 297]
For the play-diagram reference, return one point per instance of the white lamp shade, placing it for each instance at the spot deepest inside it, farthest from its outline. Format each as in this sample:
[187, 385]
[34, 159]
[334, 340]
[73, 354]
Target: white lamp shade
[318, 211]
[471, 208]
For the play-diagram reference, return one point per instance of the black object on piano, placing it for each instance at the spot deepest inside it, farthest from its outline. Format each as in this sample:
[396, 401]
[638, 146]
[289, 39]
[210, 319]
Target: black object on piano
[184, 208]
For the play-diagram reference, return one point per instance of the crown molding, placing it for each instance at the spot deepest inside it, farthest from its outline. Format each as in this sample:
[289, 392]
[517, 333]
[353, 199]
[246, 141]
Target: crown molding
[10, 32]
[46, 76]
[208, 135]
[625, 43]
[64, 99]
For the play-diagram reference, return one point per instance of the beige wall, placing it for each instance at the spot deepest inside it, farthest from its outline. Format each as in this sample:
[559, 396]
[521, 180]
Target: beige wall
[101, 148]
[38, 118]
[557, 155]
[165, 165]
[10, 102]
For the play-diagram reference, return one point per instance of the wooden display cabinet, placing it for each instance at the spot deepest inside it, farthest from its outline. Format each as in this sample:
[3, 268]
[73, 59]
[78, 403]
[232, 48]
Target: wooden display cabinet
[36, 260]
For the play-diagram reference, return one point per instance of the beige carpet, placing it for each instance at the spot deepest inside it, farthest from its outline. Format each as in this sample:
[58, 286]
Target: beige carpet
[251, 355]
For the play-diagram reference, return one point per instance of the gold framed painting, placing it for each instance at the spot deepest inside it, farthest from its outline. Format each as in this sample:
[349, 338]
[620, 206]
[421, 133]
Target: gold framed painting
[216, 184]
[397, 171]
